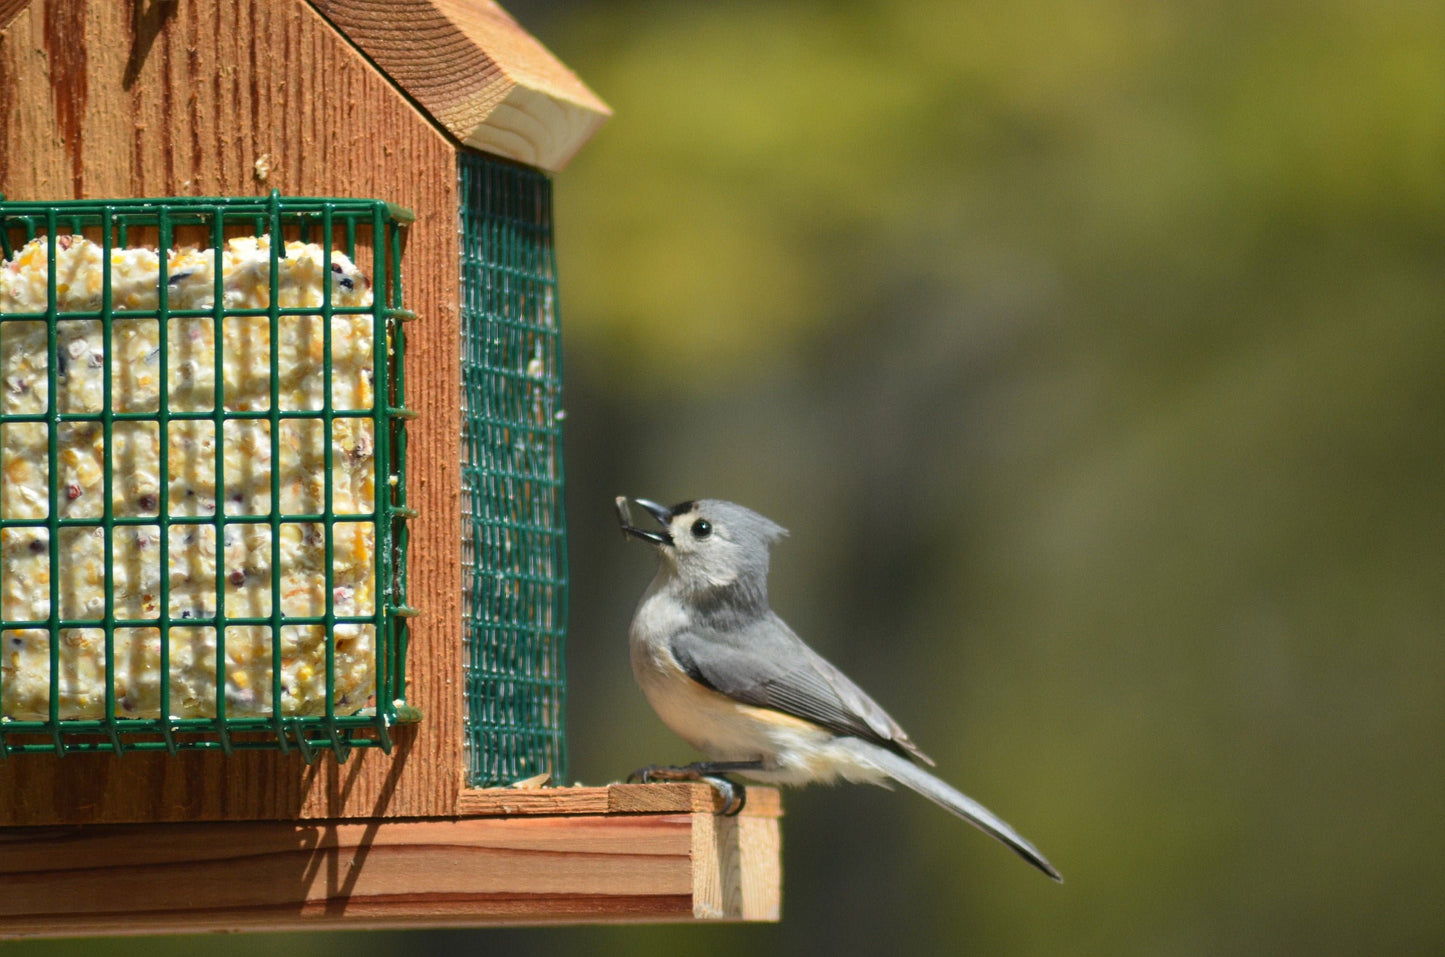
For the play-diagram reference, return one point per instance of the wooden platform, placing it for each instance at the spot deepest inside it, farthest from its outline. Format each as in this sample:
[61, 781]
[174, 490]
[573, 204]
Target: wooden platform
[654, 852]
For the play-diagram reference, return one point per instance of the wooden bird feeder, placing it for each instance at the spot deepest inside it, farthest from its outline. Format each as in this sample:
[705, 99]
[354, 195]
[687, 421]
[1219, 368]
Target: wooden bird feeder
[341, 208]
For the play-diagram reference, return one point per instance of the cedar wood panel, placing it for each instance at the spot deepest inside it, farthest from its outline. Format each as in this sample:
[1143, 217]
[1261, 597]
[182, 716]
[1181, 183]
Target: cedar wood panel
[125, 98]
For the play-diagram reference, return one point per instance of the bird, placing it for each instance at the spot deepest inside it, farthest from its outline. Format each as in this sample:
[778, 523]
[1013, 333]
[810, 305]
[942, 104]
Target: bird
[729, 677]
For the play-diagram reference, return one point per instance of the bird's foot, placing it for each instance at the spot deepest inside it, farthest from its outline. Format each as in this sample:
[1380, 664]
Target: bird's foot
[663, 772]
[734, 796]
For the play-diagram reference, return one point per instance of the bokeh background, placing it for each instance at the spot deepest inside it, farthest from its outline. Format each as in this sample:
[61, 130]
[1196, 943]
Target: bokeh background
[1094, 353]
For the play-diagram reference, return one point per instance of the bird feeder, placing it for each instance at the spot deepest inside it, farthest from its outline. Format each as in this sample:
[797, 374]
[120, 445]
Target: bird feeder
[282, 547]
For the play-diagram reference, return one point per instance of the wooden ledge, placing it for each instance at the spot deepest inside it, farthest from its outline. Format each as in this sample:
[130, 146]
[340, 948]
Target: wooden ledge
[678, 798]
[650, 855]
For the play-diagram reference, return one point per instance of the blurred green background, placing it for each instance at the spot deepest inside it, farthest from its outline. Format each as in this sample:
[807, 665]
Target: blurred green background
[1094, 353]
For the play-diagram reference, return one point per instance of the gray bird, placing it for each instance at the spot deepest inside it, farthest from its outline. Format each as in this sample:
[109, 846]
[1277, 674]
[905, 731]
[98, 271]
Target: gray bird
[726, 674]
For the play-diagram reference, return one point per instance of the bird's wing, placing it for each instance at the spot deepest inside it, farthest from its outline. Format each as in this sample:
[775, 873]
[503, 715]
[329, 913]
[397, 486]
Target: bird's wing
[765, 664]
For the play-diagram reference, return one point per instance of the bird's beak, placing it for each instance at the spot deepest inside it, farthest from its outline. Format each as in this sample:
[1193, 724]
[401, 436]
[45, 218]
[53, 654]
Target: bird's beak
[659, 512]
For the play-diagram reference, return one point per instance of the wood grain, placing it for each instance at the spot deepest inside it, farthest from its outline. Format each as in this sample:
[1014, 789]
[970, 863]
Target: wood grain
[487, 81]
[470, 871]
[9, 9]
[670, 797]
[148, 98]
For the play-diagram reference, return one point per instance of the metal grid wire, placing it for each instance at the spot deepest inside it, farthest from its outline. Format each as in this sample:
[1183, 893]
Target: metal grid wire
[514, 553]
[368, 228]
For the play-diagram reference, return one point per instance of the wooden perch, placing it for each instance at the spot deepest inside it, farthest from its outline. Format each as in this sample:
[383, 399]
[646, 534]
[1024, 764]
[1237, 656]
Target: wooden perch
[653, 852]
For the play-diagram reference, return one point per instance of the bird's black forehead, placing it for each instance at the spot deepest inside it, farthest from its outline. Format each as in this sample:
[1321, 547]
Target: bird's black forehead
[682, 508]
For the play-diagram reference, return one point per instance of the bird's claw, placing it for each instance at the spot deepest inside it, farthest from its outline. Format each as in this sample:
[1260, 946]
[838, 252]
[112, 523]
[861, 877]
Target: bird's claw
[661, 772]
[734, 796]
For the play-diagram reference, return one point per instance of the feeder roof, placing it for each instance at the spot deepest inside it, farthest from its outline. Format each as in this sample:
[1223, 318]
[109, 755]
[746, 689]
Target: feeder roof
[471, 68]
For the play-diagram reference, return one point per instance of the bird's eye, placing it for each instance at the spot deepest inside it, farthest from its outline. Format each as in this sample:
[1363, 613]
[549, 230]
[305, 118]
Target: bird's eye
[701, 528]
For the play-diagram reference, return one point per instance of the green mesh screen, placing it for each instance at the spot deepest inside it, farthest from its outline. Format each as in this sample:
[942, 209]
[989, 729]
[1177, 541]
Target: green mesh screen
[513, 544]
[202, 515]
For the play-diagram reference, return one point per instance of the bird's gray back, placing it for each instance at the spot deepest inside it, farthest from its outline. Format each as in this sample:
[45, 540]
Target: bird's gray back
[757, 659]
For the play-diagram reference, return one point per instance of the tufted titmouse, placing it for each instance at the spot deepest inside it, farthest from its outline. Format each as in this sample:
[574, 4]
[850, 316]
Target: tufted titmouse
[725, 673]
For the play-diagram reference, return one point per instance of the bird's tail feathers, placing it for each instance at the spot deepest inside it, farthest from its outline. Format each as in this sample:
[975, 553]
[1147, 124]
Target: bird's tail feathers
[910, 775]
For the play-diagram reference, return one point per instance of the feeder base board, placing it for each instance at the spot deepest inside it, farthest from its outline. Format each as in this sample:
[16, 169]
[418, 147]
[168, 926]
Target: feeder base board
[623, 853]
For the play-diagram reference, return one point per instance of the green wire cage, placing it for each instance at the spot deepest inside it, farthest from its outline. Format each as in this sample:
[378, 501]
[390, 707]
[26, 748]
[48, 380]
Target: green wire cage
[514, 557]
[83, 691]
[203, 512]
